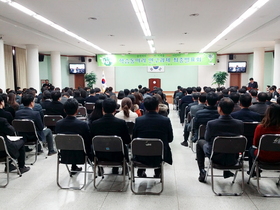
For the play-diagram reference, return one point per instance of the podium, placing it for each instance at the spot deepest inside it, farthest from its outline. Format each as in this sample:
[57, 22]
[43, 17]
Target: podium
[154, 82]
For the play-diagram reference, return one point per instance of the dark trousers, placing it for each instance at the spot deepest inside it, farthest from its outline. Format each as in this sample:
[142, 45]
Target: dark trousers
[251, 157]
[21, 158]
[157, 171]
[200, 155]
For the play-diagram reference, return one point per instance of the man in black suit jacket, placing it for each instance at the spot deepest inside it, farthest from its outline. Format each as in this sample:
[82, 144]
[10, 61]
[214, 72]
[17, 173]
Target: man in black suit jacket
[15, 148]
[153, 125]
[91, 98]
[225, 125]
[55, 107]
[27, 112]
[245, 114]
[71, 125]
[4, 113]
[110, 125]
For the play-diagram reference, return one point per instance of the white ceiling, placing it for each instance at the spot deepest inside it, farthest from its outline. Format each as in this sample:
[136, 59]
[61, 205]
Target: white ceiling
[117, 29]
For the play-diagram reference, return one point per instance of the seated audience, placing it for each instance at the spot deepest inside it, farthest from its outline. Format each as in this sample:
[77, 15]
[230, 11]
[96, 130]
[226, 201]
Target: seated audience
[153, 125]
[97, 111]
[3, 113]
[44, 134]
[162, 108]
[245, 114]
[71, 125]
[55, 107]
[126, 113]
[234, 96]
[108, 124]
[270, 124]
[64, 97]
[260, 106]
[15, 148]
[223, 126]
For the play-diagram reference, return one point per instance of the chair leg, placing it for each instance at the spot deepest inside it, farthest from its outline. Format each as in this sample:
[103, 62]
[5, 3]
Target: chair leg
[251, 172]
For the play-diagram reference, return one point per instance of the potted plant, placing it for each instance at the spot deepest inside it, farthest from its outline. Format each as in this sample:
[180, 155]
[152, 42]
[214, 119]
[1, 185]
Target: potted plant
[220, 78]
[90, 78]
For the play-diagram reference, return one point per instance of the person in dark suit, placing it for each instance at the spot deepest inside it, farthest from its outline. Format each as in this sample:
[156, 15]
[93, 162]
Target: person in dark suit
[27, 112]
[15, 148]
[260, 106]
[55, 107]
[3, 113]
[110, 125]
[252, 84]
[223, 126]
[71, 125]
[91, 98]
[153, 125]
[245, 114]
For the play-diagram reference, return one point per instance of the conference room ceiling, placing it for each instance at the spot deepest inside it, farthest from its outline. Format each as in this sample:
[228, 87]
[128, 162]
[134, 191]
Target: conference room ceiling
[117, 30]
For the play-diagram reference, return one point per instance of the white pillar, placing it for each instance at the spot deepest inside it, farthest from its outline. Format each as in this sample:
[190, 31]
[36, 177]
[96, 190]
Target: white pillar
[276, 71]
[33, 76]
[56, 69]
[2, 67]
[258, 67]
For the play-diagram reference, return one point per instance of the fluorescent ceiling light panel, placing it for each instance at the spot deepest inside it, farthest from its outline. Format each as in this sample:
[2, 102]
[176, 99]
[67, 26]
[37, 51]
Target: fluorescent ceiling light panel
[52, 24]
[243, 17]
[142, 18]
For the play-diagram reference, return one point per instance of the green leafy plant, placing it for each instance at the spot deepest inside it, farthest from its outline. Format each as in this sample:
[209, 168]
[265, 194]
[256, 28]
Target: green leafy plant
[90, 78]
[220, 78]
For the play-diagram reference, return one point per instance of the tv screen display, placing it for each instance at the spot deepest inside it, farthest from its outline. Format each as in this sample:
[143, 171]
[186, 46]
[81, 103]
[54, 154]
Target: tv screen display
[237, 66]
[77, 68]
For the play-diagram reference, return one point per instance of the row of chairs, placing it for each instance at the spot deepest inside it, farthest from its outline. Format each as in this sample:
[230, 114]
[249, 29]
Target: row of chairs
[113, 145]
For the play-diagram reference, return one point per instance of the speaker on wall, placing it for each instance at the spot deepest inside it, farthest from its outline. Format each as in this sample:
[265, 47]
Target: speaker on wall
[83, 59]
[89, 60]
[230, 56]
[41, 57]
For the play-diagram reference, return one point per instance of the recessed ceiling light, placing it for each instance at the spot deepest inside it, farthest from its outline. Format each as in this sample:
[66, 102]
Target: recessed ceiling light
[110, 35]
[181, 43]
[92, 18]
[122, 45]
[194, 14]
[186, 33]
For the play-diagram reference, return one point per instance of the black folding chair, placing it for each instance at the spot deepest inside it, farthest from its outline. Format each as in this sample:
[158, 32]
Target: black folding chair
[50, 121]
[269, 143]
[109, 152]
[89, 107]
[82, 113]
[27, 128]
[230, 145]
[5, 158]
[150, 148]
[72, 143]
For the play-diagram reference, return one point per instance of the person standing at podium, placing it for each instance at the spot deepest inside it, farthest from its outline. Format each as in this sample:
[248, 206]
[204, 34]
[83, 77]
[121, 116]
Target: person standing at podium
[252, 84]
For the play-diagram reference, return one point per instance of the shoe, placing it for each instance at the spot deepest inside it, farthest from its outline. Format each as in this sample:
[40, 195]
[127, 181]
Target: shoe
[202, 175]
[254, 173]
[75, 170]
[24, 169]
[11, 168]
[27, 149]
[157, 176]
[142, 174]
[115, 170]
[185, 143]
[228, 174]
[52, 153]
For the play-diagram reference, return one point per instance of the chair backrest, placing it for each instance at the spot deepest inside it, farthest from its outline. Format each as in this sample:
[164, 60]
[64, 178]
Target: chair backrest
[2, 145]
[89, 106]
[107, 144]
[201, 131]
[189, 117]
[69, 142]
[130, 126]
[82, 111]
[229, 144]
[270, 142]
[249, 128]
[24, 126]
[50, 120]
[147, 147]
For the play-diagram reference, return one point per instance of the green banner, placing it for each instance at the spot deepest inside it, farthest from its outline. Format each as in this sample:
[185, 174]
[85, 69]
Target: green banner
[178, 59]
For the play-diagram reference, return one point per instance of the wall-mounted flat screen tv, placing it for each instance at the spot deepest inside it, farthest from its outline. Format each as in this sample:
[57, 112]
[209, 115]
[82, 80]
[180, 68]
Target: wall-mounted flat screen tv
[77, 68]
[237, 66]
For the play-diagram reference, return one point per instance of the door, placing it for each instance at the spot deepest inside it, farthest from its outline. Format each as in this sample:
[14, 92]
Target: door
[79, 80]
[154, 82]
[235, 79]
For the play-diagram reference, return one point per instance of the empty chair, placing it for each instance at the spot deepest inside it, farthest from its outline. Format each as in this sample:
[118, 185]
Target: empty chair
[71, 143]
[50, 121]
[5, 157]
[249, 130]
[27, 128]
[109, 152]
[130, 126]
[230, 146]
[151, 149]
[268, 143]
